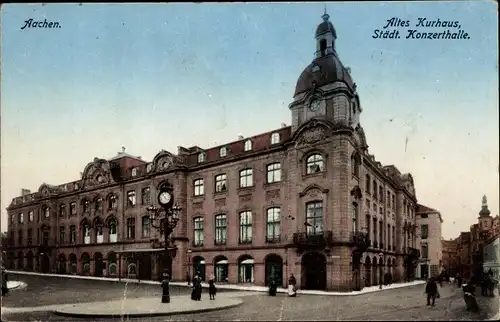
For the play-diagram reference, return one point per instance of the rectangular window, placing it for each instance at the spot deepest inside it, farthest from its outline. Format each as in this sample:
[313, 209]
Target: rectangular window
[246, 178]
[425, 251]
[112, 202]
[314, 218]
[131, 198]
[355, 215]
[98, 204]
[72, 234]
[30, 236]
[273, 225]
[274, 172]
[131, 228]
[393, 202]
[220, 182]
[86, 206]
[199, 187]
[381, 234]
[146, 196]
[375, 236]
[31, 216]
[62, 211]
[72, 208]
[12, 219]
[62, 232]
[424, 231]
[145, 227]
[45, 240]
[20, 239]
[245, 227]
[198, 232]
[220, 229]
[368, 227]
[389, 237]
[21, 218]
[375, 190]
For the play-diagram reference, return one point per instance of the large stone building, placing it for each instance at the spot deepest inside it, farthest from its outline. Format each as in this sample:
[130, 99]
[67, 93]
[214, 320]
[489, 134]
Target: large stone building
[429, 237]
[450, 256]
[301, 199]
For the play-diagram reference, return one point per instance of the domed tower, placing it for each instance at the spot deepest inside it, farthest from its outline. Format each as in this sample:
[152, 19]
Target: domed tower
[325, 89]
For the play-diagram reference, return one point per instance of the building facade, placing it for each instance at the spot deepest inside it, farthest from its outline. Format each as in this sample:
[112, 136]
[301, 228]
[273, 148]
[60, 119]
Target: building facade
[491, 257]
[306, 199]
[450, 256]
[429, 237]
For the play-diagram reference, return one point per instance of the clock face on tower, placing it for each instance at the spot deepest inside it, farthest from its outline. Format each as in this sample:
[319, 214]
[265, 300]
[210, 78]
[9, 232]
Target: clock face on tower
[314, 106]
[164, 198]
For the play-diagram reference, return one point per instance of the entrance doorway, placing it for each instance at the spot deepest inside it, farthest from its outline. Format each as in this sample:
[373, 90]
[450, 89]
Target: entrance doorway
[98, 265]
[274, 269]
[314, 271]
[424, 271]
[145, 266]
[45, 263]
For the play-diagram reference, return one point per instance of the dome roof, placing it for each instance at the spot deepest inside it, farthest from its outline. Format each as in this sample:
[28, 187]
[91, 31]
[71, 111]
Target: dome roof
[322, 71]
[325, 27]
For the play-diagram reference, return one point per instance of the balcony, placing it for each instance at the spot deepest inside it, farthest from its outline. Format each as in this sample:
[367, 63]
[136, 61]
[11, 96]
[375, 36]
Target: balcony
[361, 241]
[312, 240]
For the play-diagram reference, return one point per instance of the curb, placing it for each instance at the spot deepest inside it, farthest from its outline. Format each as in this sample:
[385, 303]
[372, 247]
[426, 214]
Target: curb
[148, 314]
[220, 286]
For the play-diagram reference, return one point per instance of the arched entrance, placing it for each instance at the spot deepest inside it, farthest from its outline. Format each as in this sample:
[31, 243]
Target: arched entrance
[393, 267]
[374, 270]
[274, 269]
[112, 269]
[29, 261]
[44, 263]
[145, 266]
[131, 265]
[199, 267]
[245, 269]
[85, 259]
[356, 271]
[72, 264]
[368, 272]
[61, 264]
[221, 266]
[314, 271]
[98, 265]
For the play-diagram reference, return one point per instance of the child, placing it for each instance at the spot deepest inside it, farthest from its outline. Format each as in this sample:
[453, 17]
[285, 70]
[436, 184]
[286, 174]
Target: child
[211, 288]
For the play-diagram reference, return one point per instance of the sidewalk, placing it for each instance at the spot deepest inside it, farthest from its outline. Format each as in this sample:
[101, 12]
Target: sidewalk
[224, 286]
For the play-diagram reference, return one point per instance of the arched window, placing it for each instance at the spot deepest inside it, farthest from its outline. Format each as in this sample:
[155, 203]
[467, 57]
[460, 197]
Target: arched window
[355, 164]
[248, 145]
[72, 264]
[99, 232]
[375, 191]
[86, 232]
[221, 269]
[85, 206]
[145, 226]
[368, 184]
[223, 152]
[315, 163]
[85, 264]
[98, 204]
[112, 263]
[112, 231]
[246, 269]
[380, 193]
[46, 212]
[201, 157]
[112, 202]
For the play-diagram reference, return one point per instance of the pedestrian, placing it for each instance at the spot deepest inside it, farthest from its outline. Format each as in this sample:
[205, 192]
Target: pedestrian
[212, 290]
[432, 290]
[5, 279]
[165, 292]
[273, 287]
[292, 282]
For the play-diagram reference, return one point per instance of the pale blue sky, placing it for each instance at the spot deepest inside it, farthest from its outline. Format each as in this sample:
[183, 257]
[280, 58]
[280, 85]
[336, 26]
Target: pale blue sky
[155, 76]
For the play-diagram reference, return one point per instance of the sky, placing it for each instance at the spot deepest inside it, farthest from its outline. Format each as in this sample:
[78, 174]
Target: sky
[156, 76]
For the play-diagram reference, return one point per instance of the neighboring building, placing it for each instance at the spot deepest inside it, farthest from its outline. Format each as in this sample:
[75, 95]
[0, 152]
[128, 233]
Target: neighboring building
[429, 237]
[301, 199]
[491, 257]
[464, 254]
[450, 256]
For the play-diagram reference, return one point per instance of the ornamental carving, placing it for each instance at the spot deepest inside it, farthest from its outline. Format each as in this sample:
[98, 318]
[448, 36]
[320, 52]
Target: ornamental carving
[313, 132]
[272, 194]
[165, 160]
[97, 173]
[220, 202]
[198, 205]
[245, 198]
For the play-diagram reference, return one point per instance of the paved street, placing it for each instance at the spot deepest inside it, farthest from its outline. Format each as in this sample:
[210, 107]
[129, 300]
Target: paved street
[399, 304]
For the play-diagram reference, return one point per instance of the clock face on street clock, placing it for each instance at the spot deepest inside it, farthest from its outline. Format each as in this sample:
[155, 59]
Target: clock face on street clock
[165, 198]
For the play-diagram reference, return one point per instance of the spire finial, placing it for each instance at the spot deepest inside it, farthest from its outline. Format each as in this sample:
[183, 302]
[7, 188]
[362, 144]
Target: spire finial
[325, 15]
[485, 201]
[123, 149]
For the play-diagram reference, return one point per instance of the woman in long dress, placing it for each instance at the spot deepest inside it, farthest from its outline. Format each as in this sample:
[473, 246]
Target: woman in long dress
[292, 290]
[194, 291]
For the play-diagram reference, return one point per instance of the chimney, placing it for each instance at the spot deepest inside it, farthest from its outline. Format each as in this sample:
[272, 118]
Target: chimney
[283, 125]
[240, 137]
[25, 192]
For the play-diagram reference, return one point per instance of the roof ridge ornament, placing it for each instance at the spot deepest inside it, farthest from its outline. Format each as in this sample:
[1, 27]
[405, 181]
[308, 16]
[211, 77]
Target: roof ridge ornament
[325, 15]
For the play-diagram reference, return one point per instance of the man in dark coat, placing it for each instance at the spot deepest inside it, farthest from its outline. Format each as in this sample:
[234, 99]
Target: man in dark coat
[431, 289]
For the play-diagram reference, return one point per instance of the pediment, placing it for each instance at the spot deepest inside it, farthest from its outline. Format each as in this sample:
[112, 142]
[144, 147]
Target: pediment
[313, 190]
[97, 173]
[312, 132]
[165, 161]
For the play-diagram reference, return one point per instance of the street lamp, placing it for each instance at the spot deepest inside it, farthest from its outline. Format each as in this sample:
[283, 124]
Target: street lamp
[168, 216]
[380, 269]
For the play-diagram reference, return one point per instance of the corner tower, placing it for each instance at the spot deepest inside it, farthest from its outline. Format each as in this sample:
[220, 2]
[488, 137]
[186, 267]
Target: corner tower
[325, 89]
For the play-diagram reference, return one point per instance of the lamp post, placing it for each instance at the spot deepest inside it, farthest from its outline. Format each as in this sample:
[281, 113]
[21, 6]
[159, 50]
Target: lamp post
[381, 269]
[168, 216]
